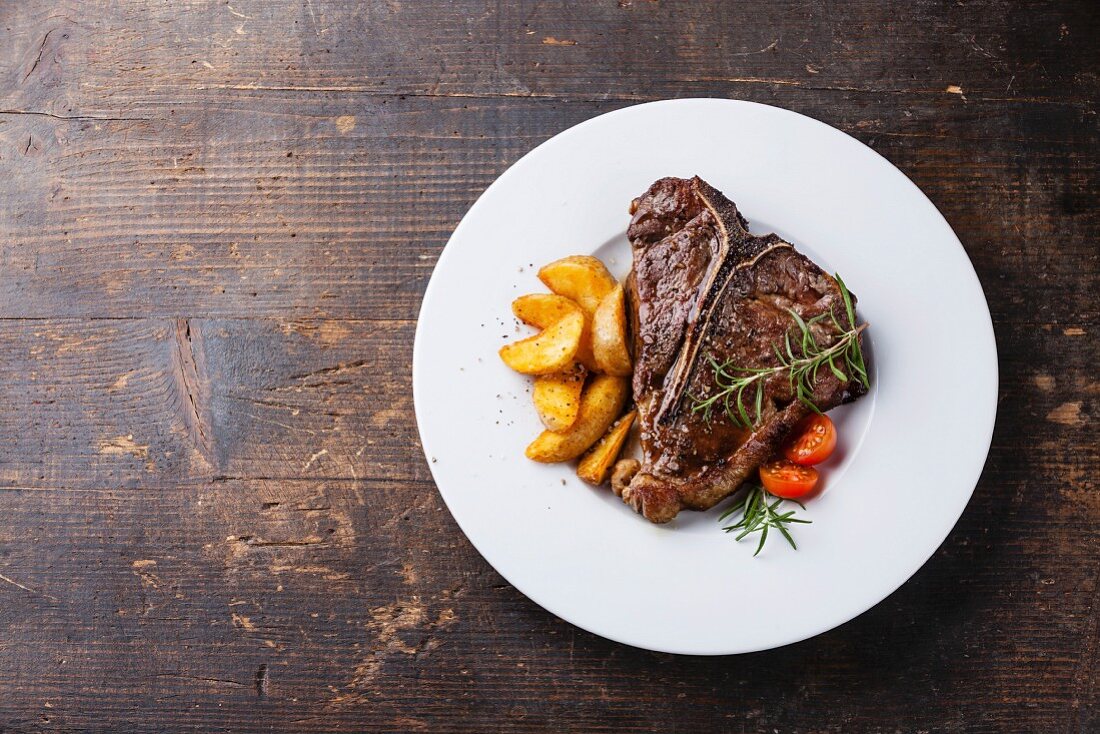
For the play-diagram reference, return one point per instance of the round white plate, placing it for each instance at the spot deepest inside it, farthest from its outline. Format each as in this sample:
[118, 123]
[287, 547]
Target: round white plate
[910, 453]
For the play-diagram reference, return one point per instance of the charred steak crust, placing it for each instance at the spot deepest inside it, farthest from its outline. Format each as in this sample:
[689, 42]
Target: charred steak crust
[703, 287]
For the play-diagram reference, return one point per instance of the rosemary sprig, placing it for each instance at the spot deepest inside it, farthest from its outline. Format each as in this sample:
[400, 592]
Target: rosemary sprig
[801, 357]
[760, 514]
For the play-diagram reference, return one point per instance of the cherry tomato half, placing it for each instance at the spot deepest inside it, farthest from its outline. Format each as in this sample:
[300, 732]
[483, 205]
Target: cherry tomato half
[812, 441]
[788, 480]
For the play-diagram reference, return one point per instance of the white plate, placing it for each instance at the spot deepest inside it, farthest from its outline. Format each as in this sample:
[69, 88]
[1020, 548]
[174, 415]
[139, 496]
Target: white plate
[911, 451]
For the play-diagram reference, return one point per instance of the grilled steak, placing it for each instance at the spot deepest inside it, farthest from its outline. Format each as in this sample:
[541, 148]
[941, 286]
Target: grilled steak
[704, 288]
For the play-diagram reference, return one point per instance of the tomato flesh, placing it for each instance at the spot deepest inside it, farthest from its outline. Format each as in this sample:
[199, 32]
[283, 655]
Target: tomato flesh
[788, 480]
[812, 441]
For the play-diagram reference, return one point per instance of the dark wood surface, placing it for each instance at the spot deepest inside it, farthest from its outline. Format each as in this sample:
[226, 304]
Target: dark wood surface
[216, 224]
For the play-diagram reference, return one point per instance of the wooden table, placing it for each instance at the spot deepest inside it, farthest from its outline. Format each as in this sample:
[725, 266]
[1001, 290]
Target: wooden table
[216, 223]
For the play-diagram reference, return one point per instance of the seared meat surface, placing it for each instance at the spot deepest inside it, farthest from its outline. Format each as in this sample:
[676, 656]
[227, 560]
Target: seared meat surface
[704, 288]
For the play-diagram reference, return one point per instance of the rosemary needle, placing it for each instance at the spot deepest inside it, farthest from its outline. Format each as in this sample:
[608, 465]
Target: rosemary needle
[801, 357]
[759, 514]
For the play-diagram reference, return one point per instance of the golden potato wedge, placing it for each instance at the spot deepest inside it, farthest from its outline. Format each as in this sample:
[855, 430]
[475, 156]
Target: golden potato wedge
[609, 335]
[596, 464]
[543, 309]
[549, 351]
[601, 403]
[558, 397]
[582, 278]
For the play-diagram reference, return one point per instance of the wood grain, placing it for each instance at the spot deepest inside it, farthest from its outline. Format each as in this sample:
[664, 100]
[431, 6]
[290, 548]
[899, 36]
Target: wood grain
[216, 224]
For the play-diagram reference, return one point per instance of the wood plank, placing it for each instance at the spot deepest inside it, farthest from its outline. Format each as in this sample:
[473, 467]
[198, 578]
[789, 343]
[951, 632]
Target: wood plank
[116, 599]
[216, 225]
[161, 58]
[268, 208]
[317, 604]
[140, 402]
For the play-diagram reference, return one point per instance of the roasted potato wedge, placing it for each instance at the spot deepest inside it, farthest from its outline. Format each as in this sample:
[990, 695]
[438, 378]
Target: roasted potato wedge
[558, 397]
[601, 403]
[551, 350]
[543, 309]
[609, 335]
[596, 464]
[581, 278]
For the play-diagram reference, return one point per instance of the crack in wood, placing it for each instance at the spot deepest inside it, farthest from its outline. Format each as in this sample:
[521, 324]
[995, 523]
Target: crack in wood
[262, 681]
[565, 98]
[192, 384]
[254, 542]
[38, 59]
[79, 118]
[220, 681]
[335, 370]
[13, 582]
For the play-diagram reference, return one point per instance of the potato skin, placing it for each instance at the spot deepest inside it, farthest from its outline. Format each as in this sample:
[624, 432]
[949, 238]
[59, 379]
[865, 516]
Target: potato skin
[543, 309]
[596, 464]
[557, 397]
[609, 346]
[581, 278]
[601, 403]
[551, 350]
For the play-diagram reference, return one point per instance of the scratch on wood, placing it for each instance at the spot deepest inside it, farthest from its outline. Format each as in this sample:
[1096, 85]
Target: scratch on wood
[758, 80]
[16, 583]
[314, 458]
[293, 409]
[78, 118]
[551, 41]
[308, 540]
[370, 91]
[287, 426]
[770, 47]
[323, 571]
[261, 543]
[219, 681]
[141, 570]
[329, 332]
[243, 622]
[13, 582]
[38, 58]
[329, 371]
[389, 623]
[123, 445]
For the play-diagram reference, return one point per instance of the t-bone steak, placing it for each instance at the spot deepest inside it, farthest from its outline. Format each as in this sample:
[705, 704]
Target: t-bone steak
[704, 288]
